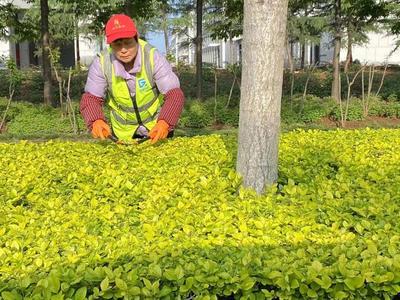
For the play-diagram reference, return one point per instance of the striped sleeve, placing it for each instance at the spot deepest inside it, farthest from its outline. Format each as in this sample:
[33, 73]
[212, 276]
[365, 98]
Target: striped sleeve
[172, 107]
[91, 109]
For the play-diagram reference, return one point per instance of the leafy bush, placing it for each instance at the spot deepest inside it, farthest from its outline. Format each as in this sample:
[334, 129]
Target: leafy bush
[309, 109]
[381, 108]
[87, 221]
[31, 88]
[392, 98]
[200, 114]
[319, 84]
[227, 116]
[355, 110]
[195, 115]
[12, 112]
[392, 109]
[27, 119]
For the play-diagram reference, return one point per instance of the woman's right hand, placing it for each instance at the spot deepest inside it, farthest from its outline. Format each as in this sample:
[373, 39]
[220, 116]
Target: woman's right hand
[101, 129]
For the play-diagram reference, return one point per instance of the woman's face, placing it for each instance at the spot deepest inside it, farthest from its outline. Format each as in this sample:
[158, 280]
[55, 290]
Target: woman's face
[125, 50]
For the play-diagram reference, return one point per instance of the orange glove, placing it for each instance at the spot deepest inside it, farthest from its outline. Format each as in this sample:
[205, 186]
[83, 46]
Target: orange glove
[100, 129]
[159, 132]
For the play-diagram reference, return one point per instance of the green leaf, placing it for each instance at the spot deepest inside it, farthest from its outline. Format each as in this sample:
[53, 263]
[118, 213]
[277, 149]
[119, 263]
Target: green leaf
[179, 272]
[26, 282]
[312, 294]
[247, 284]
[166, 290]
[341, 295]
[174, 274]
[81, 293]
[294, 284]
[274, 274]
[134, 291]
[155, 270]
[43, 283]
[11, 295]
[354, 283]
[325, 282]
[64, 286]
[317, 266]
[53, 283]
[121, 284]
[105, 284]
[147, 283]
[170, 274]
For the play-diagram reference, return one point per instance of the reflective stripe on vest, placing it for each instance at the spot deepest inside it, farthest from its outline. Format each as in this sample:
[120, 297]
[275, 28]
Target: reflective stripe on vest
[131, 122]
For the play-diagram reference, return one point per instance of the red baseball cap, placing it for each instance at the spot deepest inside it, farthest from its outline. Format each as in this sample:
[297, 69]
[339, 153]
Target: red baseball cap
[119, 27]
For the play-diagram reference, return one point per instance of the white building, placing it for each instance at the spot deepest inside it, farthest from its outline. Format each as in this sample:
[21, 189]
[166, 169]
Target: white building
[24, 53]
[220, 53]
[378, 50]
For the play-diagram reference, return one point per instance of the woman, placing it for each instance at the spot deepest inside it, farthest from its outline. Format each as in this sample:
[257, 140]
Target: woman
[143, 93]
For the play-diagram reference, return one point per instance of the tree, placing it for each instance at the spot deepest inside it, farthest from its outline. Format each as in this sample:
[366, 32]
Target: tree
[341, 12]
[335, 92]
[393, 20]
[304, 26]
[161, 22]
[8, 18]
[358, 19]
[225, 18]
[185, 10]
[199, 48]
[45, 38]
[263, 56]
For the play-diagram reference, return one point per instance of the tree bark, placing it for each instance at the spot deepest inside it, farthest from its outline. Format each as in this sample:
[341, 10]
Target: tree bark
[349, 57]
[199, 49]
[303, 56]
[335, 93]
[46, 65]
[78, 54]
[291, 67]
[261, 92]
[165, 31]
[289, 55]
[128, 7]
[303, 46]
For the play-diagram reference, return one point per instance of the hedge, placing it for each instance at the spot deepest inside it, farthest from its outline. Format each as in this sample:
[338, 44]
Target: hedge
[105, 221]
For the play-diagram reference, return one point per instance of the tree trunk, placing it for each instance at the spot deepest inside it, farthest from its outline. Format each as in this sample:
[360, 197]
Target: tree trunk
[303, 46]
[303, 56]
[128, 7]
[46, 65]
[199, 49]
[101, 37]
[78, 54]
[349, 57]
[289, 55]
[261, 91]
[165, 31]
[78, 51]
[291, 68]
[335, 93]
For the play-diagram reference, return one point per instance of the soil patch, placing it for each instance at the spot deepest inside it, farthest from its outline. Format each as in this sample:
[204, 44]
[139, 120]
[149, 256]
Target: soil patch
[373, 122]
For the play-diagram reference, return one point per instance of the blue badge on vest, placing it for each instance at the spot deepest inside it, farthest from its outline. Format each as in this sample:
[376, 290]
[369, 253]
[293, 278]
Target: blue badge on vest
[142, 83]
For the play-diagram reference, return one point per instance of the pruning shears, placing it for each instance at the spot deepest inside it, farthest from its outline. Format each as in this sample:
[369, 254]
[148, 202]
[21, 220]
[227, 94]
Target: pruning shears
[135, 141]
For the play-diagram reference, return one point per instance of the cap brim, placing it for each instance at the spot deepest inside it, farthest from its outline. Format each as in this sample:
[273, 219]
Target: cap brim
[121, 35]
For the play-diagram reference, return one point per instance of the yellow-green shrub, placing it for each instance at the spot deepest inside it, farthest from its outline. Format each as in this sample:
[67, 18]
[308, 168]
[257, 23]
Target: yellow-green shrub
[101, 221]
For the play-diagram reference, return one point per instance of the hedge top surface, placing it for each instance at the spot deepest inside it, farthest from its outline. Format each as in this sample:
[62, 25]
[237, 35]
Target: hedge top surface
[97, 220]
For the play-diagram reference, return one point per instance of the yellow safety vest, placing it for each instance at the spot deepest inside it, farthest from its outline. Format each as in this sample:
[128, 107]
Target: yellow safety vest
[128, 113]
